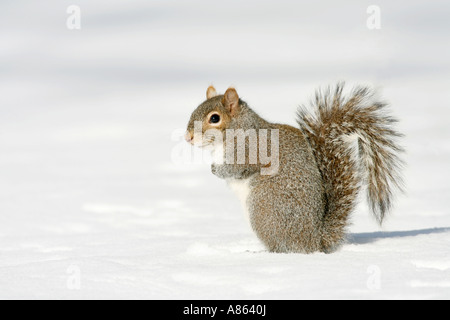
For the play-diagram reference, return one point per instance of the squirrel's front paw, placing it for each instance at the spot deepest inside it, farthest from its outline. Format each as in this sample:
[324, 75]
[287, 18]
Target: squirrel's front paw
[216, 170]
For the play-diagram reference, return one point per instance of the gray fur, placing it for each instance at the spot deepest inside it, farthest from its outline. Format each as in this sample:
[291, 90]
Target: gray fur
[305, 206]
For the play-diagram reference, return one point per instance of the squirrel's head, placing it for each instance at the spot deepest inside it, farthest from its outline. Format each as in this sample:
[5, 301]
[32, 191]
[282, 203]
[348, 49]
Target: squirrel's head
[212, 116]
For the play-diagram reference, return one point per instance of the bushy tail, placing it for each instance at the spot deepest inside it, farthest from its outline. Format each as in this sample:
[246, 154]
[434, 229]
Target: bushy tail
[332, 130]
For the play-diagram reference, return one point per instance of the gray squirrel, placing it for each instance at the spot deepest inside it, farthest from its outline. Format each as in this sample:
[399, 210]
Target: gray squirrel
[302, 201]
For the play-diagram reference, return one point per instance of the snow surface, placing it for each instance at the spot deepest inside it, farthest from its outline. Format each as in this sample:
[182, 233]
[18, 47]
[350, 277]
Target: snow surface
[96, 204]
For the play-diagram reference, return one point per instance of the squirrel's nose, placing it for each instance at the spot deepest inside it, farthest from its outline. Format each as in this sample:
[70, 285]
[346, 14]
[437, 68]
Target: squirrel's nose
[188, 136]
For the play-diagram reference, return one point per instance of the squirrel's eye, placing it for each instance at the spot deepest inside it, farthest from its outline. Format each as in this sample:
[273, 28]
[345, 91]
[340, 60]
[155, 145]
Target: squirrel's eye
[215, 118]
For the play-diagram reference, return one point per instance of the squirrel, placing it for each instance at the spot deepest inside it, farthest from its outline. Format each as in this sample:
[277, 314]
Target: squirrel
[302, 202]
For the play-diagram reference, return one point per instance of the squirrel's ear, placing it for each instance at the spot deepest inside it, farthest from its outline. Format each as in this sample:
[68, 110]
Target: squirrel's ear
[211, 92]
[231, 101]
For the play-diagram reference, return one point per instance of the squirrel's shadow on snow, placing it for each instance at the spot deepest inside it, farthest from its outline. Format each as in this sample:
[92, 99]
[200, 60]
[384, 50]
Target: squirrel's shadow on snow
[369, 237]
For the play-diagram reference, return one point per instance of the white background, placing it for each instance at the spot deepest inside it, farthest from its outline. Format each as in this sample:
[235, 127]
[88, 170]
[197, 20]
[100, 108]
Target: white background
[92, 203]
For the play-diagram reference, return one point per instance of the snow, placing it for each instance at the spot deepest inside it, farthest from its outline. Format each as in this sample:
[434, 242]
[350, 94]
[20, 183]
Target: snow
[95, 201]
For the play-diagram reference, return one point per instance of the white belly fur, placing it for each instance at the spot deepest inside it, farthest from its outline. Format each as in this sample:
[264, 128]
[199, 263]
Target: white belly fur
[241, 188]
